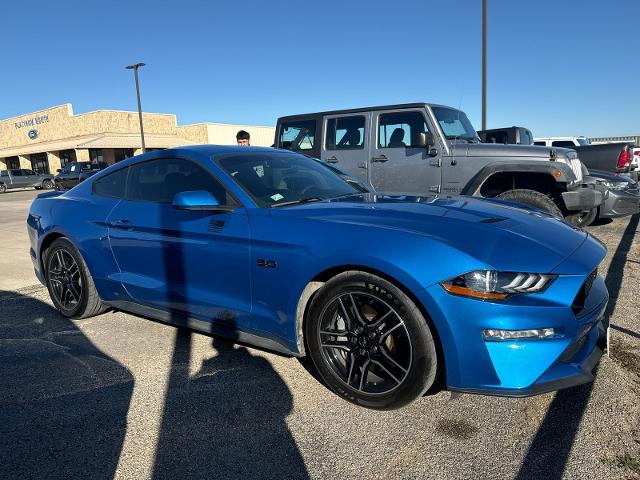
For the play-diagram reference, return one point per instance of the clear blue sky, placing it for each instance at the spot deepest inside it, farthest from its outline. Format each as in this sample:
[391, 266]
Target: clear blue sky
[557, 67]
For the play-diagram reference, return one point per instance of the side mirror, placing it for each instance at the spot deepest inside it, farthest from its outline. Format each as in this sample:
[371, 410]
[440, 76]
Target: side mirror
[198, 200]
[430, 143]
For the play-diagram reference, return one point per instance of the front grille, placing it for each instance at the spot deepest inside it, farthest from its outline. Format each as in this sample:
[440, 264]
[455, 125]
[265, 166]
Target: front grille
[576, 166]
[583, 293]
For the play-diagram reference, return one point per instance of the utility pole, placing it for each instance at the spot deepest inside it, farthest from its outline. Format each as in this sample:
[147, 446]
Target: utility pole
[484, 64]
[135, 73]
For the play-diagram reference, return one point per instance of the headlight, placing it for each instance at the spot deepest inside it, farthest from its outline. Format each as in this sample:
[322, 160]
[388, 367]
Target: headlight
[492, 285]
[616, 185]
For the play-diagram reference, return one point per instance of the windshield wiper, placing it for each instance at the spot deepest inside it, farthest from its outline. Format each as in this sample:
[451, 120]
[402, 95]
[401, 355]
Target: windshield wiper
[294, 202]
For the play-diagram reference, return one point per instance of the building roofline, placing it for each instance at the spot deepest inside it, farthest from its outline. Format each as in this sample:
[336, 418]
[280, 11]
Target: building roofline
[68, 105]
[227, 125]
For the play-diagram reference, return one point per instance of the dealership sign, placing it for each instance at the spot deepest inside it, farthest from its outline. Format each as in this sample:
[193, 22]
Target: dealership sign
[33, 134]
[30, 122]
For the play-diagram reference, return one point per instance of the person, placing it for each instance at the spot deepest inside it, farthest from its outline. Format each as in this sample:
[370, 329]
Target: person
[243, 138]
[624, 159]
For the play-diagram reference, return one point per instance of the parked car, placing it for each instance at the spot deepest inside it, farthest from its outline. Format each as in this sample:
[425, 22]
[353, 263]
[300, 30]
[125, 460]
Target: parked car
[623, 198]
[635, 161]
[24, 178]
[602, 156]
[508, 135]
[75, 172]
[390, 295]
[422, 148]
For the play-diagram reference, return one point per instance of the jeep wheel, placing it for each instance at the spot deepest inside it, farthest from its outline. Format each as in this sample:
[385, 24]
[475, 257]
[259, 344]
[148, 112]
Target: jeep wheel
[533, 199]
[583, 218]
[370, 342]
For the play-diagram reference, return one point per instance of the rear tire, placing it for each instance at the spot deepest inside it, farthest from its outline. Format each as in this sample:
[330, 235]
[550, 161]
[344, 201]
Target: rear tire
[533, 199]
[69, 282]
[383, 355]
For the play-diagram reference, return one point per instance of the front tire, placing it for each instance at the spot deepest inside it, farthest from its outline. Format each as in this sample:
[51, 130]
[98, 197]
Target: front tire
[584, 218]
[533, 199]
[370, 342]
[69, 282]
[47, 184]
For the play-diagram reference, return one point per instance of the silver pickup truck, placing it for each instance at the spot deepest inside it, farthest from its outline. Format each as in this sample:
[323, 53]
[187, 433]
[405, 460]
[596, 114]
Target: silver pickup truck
[423, 148]
[24, 178]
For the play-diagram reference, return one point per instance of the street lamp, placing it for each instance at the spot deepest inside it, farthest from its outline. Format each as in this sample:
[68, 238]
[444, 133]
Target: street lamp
[135, 72]
[484, 64]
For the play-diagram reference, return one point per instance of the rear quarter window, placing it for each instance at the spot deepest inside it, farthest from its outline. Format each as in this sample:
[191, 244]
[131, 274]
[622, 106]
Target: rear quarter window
[112, 185]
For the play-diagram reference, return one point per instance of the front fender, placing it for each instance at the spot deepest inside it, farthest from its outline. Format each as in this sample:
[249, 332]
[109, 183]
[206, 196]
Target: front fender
[521, 166]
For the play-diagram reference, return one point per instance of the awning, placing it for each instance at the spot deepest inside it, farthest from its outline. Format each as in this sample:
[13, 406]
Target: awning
[96, 141]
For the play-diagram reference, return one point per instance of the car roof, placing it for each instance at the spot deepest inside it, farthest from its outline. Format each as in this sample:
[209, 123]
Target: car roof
[366, 109]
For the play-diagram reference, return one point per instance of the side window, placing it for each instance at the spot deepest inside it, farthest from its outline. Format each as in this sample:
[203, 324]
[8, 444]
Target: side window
[27, 172]
[112, 185]
[498, 137]
[525, 137]
[402, 129]
[298, 135]
[346, 133]
[16, 173]
[563, 144]
[4, 173]
[542, 143]
[159, 180]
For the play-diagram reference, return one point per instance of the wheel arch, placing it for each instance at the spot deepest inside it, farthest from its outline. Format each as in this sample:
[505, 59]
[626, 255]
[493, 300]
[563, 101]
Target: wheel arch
[314, 284]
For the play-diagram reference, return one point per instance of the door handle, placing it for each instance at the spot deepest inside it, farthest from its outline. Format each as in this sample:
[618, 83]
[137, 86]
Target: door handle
[332, 159]
[381, 159]
[120, 223]
[362, 165]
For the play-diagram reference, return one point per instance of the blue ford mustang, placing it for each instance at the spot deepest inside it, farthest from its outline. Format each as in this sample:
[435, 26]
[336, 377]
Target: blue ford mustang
[390, 295]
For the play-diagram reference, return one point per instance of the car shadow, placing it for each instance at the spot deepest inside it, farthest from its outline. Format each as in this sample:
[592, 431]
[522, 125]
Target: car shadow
[63, 402]
[227, 420]
[549, 451]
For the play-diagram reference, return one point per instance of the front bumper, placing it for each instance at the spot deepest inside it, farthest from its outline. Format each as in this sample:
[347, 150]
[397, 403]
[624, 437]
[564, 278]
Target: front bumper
[619, 204]
[524, 367]
[583, 198]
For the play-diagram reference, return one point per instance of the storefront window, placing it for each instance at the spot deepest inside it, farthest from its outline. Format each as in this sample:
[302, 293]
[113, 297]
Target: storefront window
[40, 163]
[67, 156]
[120, 154]
[95, 155]
[12, 163]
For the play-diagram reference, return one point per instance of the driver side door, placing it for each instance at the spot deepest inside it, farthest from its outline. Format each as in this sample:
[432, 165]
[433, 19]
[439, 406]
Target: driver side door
[195, 263]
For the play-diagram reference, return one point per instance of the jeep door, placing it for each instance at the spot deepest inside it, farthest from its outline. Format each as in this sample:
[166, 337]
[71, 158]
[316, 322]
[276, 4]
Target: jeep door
[346, 143]
[399, 160]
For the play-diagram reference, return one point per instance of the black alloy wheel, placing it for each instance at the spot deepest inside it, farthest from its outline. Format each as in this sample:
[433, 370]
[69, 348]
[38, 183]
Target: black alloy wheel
[69, 282]
[369, 342]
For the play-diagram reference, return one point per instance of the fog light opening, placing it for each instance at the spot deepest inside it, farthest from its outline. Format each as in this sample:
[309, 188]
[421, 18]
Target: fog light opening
[535, 334]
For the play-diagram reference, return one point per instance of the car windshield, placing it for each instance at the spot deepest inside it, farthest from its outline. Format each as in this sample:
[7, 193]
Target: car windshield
[279, 179]
[454, 124]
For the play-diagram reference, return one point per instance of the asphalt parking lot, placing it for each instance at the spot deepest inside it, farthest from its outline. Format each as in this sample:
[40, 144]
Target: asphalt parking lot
[118, 396]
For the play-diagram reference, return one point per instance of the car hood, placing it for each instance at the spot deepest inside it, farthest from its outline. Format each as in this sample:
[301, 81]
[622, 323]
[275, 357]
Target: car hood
[502, 235]
[502, 150]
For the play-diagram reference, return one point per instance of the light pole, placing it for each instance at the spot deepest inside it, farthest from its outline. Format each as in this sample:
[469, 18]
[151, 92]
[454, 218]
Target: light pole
[135, 73]
[484, 64]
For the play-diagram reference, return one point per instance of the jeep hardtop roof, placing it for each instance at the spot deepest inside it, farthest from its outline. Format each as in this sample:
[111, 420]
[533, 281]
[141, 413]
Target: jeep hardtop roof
[365, 109]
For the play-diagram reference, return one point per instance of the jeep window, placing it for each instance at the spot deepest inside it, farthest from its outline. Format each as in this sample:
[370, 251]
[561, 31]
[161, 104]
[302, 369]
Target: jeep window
[563, 144]
[498, 137]
[346, 133]
[401, 129]
[525, 137]
[454, 124]
[582, 141]
[298, 135]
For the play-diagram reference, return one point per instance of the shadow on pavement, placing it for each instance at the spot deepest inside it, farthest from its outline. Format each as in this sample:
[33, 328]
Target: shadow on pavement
[63, 403]
[548, 453]
[227, 420]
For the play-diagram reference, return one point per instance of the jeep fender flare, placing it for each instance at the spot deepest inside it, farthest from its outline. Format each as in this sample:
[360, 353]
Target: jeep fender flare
[559, 172]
